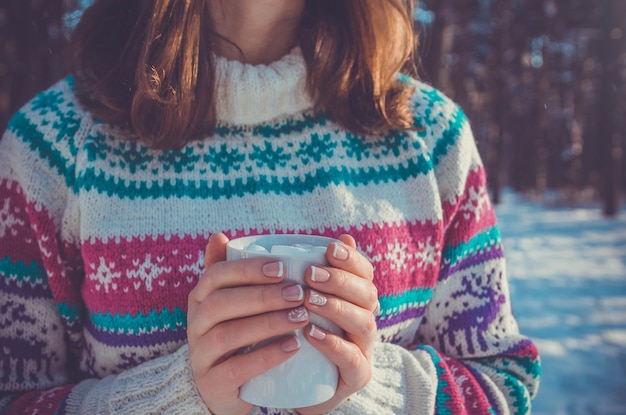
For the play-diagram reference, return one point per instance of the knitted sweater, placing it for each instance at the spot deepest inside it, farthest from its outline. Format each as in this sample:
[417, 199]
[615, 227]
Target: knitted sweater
[102, 239]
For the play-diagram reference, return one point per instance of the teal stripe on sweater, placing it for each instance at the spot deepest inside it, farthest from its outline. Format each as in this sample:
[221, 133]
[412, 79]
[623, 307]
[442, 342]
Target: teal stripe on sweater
[65, 124]
[70, 313]
[215, 189]
[490, 237]
[443, 397]
[450, 136]
[21, 126]
[274, 130]
[394, 303]
[32, 273]
[128, 324]
[510, 368]
[517, 391]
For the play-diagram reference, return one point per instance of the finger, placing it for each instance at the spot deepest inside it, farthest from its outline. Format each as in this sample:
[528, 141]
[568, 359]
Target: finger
[344, 255]
[348, 240]
[236, 303]
[359, 324]
[226, 274]
[215, 250]
[228, 376]
[231, 336]
[343, 284]
[354, 367]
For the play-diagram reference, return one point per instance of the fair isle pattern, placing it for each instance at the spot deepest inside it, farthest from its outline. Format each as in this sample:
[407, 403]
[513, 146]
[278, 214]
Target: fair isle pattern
[105, 238]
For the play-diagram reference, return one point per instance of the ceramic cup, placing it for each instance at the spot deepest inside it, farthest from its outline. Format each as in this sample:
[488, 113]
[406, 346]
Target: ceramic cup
[307, 378]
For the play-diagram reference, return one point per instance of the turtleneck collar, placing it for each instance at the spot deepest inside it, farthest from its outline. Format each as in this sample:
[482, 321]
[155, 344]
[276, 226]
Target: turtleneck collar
[250, 94]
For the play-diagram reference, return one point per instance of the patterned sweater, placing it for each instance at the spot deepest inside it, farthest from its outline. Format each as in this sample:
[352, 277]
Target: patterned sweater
[101, 240]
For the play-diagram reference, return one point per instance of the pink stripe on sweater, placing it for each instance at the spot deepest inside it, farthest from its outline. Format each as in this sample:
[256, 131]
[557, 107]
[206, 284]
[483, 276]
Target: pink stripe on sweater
[472, 212]
[17, 237]
[40, 402]
[30, 235]
[472, 399]
[133, 275]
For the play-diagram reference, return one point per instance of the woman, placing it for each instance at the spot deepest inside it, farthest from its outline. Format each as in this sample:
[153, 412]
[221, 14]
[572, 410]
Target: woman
[186, 123]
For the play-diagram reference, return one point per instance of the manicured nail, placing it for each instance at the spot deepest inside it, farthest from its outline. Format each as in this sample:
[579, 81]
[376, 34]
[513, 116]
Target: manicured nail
[340, 252]
[298, 315]
[293, 293]
[274, 269]
[317, 298]
[291, 344]
[319, 274]
[316, 333]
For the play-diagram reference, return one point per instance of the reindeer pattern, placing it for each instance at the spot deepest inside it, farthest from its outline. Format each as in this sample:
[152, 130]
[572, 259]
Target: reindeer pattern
[473, 321]
[25, 353]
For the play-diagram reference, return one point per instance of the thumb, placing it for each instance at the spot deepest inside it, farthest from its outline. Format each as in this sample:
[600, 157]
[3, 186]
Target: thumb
[348, 240]
[215, 250]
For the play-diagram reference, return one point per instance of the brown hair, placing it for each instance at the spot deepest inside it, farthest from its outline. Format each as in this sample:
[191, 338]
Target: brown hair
[147, 65]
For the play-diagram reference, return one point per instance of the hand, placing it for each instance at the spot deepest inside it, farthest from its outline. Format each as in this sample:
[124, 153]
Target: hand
[344, 294]
[236, 304]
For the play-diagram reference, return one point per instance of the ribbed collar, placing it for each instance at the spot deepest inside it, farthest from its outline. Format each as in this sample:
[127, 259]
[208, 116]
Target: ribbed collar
[250, 94]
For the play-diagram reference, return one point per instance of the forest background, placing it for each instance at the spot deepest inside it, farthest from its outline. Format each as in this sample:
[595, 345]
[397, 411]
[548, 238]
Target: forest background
[542, 81]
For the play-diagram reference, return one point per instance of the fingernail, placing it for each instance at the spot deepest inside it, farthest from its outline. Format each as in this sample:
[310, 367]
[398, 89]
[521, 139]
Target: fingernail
[293, 293]
[291, 344]
[317, 298]
[316, 333]
[319, 274]
[274, 269]
[298, 315]
[340, 252]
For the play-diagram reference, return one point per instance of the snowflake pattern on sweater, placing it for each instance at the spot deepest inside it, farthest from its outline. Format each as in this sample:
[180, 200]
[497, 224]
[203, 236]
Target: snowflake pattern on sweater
[101, 240]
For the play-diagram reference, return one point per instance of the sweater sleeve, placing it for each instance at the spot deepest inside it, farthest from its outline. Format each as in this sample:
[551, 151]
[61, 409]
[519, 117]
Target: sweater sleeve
[40, 274]
[468, 356]
[484, 364]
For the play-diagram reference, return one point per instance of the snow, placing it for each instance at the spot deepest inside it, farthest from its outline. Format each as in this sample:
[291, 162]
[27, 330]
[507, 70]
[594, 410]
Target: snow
[567, 271]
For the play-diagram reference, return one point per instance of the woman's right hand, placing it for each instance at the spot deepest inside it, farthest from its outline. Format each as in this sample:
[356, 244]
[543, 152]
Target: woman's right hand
[236, 304]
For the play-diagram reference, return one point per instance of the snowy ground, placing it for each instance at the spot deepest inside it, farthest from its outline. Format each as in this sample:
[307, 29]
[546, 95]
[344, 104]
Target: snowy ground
[567, 270]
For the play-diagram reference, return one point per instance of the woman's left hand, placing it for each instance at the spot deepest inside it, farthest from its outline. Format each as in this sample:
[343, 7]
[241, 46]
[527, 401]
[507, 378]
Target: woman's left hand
[343, 293]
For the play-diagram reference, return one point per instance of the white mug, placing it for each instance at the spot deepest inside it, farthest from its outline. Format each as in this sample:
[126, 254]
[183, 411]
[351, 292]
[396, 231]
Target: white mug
[307, 378]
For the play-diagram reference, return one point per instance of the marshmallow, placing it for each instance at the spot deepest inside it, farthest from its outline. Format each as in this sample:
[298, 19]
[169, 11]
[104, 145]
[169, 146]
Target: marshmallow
[296, 249]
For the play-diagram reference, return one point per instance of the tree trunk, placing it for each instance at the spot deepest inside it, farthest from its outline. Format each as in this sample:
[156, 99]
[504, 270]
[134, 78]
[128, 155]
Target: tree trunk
[431, 44]
[31, 51]
[610, 138]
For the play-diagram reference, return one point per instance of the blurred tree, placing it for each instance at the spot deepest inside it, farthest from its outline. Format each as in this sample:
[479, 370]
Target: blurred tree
[499, 66]
[530, 76]
[31, 51]
[430, 27]
[611, 107]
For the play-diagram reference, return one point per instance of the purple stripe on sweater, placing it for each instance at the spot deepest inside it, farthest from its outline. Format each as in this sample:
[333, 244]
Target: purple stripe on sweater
[520, 346]
[487, 389]
[24, 289]
[136, 340]
[470, 261]
[408, 314]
